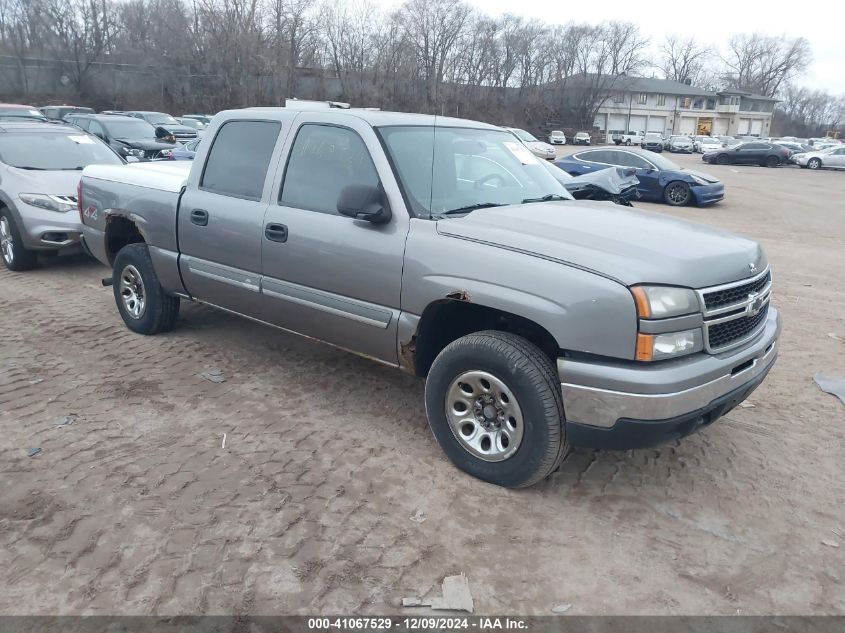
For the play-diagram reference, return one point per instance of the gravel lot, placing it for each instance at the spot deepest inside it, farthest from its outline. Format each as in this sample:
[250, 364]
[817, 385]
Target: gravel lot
[331, 495]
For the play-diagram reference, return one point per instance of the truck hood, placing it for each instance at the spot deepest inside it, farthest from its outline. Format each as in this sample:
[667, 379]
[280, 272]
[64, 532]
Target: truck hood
[165, 175]
[628, 245]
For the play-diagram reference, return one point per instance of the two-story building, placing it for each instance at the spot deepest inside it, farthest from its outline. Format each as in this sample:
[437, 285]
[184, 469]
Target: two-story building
[641, 104]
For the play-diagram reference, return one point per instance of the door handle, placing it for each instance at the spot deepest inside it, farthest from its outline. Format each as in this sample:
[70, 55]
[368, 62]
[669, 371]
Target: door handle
[199, 217]
[276, 232]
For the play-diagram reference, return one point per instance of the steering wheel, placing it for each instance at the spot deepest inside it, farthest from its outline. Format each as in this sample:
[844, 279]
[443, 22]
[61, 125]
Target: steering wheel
[489, 179]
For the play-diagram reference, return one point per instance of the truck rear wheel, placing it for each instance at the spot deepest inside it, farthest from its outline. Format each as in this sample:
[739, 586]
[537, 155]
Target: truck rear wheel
[141, 301]
[494, 404]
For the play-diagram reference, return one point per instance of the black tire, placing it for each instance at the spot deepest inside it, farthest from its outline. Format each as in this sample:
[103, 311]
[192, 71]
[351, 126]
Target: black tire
[160, 309]
[814, 163]
[721, 159]
[677, 194]
[628, 142]
[532, 378]
[771, 161]
[17, 258]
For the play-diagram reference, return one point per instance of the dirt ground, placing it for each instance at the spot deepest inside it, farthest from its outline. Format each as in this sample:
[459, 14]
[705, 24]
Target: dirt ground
[332, 496]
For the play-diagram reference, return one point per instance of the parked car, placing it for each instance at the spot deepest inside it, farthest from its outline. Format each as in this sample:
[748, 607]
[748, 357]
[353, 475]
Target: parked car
[708, 144]
[205, 119]
[794, 146]
[628, 138]
[556, 137]
[581, 138]
[728, 141]
[128, 136]
[185, 152]
[160, 119]
[193, 123]
[17, 112]
[440, 246]
[613, 184]
[653, 141]
[681, 144]
[661, 180]
[756, 153]
[58, 113]
[832, 157]
[538, 148]
[40, 167]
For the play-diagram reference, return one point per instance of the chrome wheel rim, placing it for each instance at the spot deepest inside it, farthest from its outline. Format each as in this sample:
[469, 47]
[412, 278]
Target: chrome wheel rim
[7, 242]
[484, 416]
[813, 164]
[677, 194]
[132, 292]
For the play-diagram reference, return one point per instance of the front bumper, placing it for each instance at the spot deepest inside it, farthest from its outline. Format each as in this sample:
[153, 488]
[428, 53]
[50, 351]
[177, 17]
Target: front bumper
[620, 405]
[42, 229]
[708, 194]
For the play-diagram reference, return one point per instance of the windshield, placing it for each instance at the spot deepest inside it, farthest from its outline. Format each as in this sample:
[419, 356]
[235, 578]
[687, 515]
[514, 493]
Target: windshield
[557, 133]
[525, 136]
[46, 150]
[661, 162]
[653, 136]
[443, 169]
[157, 118]
[129, 128]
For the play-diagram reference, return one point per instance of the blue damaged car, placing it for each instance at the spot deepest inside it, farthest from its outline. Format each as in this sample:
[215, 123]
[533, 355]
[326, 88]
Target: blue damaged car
[661, 180]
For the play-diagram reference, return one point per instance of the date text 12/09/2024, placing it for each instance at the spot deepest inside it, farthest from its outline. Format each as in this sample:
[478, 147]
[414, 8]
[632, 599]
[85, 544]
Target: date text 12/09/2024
[415, 623]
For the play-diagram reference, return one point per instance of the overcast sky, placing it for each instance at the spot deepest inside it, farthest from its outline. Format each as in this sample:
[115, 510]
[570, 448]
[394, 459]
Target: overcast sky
[713, 21]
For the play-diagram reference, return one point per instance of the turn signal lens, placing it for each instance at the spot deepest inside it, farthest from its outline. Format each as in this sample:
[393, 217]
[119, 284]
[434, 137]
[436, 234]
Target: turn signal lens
[645, 346]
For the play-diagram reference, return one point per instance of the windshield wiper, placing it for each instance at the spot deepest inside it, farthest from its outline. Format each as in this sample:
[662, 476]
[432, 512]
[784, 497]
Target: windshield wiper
[472, 207]
[547, 198]
[30, 168]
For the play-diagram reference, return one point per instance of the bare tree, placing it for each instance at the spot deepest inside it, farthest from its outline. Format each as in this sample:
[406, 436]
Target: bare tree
[763, 64]
[685, 60]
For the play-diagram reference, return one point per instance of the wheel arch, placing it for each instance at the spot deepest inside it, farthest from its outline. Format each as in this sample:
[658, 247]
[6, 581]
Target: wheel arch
[448, 319]
[121, 229]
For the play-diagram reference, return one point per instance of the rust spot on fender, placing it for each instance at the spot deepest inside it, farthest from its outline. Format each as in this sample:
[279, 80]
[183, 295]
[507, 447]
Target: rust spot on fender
[458, 295]
[408, 355]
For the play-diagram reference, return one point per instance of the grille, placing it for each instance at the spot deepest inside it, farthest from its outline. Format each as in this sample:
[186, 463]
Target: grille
[723, 334]
[728, 296]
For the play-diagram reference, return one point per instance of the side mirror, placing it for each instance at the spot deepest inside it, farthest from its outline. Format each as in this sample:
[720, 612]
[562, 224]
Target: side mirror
[363, 202]
[161, 132]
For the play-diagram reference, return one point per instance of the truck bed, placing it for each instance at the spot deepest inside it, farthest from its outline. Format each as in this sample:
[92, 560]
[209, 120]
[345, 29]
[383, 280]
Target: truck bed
[163, 175]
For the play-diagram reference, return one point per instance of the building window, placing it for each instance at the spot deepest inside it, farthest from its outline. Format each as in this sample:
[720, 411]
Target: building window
[618, 97]
[642, 98]
[698, 104]
[686, 103]
[661, 100]
[711, 104]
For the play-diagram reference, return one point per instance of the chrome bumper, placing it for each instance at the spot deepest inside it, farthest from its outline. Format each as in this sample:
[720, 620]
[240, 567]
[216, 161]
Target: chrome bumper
[599, 394]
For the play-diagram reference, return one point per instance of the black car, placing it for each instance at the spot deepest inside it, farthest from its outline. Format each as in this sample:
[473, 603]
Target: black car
[160, 119]
[128, 136]
[753, 153]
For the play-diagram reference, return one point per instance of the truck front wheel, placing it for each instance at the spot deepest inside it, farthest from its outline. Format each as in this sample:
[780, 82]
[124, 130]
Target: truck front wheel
[141, 301]
[494, 404]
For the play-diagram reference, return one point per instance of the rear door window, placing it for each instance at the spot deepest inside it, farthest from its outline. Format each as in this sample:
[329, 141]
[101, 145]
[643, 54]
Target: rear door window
[239, 159]
[596, 156]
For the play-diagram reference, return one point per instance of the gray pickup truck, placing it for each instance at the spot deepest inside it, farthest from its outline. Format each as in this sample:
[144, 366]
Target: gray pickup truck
[445, 248]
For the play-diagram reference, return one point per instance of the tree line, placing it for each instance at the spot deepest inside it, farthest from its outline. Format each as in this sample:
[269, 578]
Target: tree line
[440, 56]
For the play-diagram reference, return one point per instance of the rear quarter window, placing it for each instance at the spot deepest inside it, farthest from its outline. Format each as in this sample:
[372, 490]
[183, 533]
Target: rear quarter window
[239, 158]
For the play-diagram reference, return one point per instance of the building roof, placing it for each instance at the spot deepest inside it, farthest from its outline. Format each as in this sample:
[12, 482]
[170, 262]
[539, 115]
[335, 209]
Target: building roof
[629, 83]
[748, 95]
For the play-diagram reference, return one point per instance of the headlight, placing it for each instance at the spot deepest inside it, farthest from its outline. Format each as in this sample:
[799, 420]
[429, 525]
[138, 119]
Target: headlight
[698, 181]
[128, 151]
[51, 203]
[658, 346]
[660, 302]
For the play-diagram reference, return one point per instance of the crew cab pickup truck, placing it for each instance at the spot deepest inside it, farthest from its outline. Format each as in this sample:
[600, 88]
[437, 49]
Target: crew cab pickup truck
[445, 248]
[628, 138]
